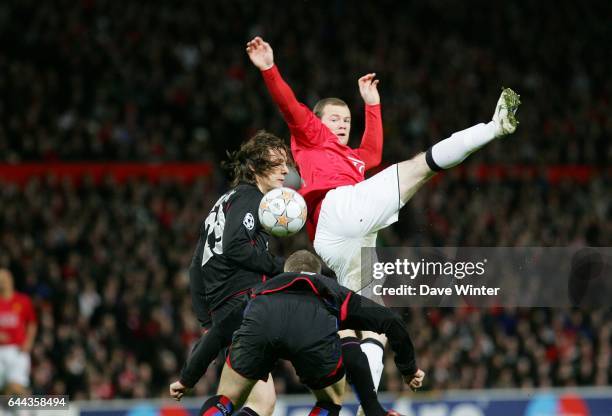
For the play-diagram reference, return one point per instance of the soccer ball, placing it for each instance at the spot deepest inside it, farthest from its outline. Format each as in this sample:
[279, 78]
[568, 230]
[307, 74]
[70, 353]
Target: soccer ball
[282, 212]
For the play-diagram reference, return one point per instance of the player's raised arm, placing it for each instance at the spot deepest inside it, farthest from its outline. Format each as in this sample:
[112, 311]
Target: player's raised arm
[298, 117]
[370, 150]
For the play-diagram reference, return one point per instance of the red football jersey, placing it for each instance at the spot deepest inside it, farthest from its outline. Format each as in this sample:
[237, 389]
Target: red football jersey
[15, 314]
[323, 161]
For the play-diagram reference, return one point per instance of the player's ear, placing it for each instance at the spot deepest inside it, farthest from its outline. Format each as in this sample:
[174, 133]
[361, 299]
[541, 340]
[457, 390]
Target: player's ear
[250, 165]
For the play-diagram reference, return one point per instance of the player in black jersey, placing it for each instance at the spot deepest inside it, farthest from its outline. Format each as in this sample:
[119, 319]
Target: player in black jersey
[296, 316]
[232, 256]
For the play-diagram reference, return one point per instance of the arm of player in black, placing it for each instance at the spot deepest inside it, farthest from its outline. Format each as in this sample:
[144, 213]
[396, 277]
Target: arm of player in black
[240, 236]
[209, 345]
[364, 314]
[203, 353]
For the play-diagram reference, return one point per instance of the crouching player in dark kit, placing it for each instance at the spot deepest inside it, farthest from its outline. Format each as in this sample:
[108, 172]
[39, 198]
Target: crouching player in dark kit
[296, 316]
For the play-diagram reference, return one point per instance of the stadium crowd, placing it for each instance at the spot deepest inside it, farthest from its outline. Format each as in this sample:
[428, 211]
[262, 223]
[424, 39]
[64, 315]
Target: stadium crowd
[150, 81]
[106, 266]
[106, 263]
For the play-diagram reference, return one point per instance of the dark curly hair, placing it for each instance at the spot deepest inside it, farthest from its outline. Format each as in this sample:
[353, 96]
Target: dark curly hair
[253, 158]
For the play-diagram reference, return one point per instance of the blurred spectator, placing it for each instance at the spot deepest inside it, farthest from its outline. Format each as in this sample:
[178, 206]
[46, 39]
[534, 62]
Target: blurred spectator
[97, 80]
[17, 333]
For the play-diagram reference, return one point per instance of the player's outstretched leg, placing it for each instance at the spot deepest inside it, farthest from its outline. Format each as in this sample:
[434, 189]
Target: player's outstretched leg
[505, 112]
[455, 149]
[450, 152]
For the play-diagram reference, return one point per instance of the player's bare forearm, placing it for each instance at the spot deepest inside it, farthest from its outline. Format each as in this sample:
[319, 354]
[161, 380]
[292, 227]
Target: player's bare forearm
[30, 336]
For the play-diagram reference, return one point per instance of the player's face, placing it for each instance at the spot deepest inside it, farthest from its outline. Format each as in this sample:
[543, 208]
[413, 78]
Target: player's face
[337, 118]
[275, 177]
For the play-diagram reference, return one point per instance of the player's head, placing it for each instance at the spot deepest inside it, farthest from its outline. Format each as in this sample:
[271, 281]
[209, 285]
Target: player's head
[262, 160]
[302, 261]
[335, 114]
[6, 281]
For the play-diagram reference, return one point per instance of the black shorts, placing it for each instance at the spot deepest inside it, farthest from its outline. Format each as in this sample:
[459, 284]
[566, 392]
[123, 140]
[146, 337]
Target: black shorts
[230, 311]
[294, 327]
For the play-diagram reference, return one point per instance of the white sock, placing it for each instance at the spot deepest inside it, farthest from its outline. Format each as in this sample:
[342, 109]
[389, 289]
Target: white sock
[452, 151]
[375, 359]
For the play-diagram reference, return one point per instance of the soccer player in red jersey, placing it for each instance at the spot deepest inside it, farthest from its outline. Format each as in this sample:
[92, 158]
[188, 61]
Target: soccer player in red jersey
[346, 210]
[17, 331]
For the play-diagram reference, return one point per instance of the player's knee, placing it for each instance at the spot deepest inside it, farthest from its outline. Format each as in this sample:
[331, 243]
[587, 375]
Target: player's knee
[412, 174]
[262, 398]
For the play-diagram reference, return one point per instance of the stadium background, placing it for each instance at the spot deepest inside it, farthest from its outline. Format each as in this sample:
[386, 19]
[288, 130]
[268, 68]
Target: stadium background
[148, 96]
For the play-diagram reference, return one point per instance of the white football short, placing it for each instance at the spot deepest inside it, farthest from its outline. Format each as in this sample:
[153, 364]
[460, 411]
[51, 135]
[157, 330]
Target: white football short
[14, 366]
[350, 218]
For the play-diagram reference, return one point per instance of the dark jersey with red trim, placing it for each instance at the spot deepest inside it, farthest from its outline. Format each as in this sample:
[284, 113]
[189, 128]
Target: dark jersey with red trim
[350, 309]
[232, 252]
[353, 311]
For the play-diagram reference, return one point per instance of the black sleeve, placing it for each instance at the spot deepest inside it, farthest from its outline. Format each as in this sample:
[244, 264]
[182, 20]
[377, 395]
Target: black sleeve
[204, 352]
[240, 236]
[210, 344]
[198, 296]
[365, 314]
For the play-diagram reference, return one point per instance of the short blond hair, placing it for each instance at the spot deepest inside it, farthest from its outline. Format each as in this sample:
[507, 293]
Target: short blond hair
[320, 106]
[303, 261]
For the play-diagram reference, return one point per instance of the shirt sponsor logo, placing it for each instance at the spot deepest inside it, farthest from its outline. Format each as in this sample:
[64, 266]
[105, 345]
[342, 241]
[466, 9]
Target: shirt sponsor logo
[359, 164]
[9, 320]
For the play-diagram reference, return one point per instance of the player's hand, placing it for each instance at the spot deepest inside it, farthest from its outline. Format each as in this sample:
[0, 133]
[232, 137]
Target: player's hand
[368, 88]
[177, 390]
[261, 53]
[415, 381]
